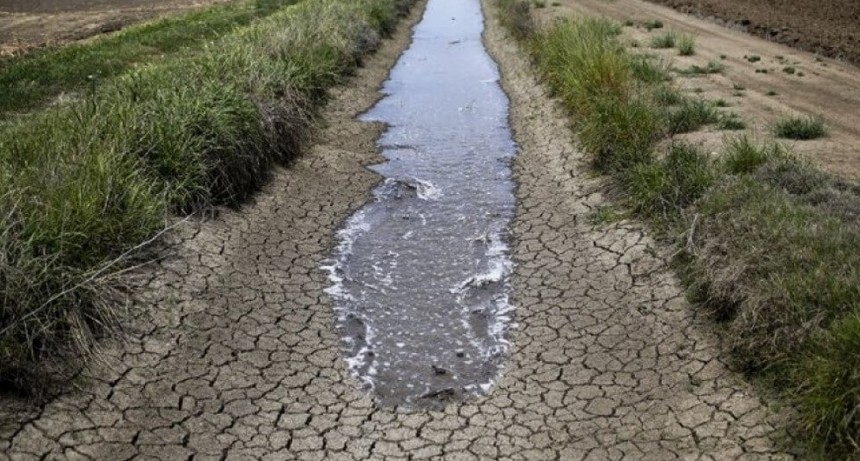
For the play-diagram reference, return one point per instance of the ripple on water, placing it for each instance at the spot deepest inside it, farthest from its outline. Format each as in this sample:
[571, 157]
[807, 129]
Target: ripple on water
[420, 278]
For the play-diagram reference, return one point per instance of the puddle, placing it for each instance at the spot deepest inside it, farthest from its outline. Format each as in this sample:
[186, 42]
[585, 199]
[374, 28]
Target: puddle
[421, 274]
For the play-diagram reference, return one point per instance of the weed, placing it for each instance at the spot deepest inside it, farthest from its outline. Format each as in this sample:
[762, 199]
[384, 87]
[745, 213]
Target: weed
[691, 115]
[829, 394]
[771, 93]
[649, 69]
[731, 122]
[653, 24]
[721, 103]
[663, 188]
[713, 67]
[723, 57]
[666, 40]
[666, 95]
[742, 154]
[539, 3]
[753, 58]
[629, 23]
[605, 215]
[516, 17]
[800, 128]
[686, 45]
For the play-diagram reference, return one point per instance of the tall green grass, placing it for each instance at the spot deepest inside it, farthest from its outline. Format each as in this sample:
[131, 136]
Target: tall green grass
[769, 244]
[84, 186]
[33, 80]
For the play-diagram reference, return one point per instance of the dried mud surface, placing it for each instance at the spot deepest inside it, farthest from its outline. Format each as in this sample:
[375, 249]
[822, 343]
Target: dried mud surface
[240, 360]
[828, 27]
[27, 24]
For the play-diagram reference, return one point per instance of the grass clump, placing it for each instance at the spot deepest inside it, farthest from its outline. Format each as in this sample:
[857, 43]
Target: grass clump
[800, 128]
[829, 394]
[731, 121]
[517, 18]
[686, 45]
[664, 188]
[753, 58]
[713, 67]
[690, 116]
[585, 63]
[653, 24]
[84, 187]
[666, 40]
[666, 95]
[742, 155]
[31, 81]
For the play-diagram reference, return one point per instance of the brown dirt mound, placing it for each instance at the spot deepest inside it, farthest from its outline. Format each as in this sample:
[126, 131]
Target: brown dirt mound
[828, 27]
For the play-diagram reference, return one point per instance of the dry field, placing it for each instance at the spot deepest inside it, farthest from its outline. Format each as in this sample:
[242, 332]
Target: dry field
[26, 24]
[828, 27]
[761, 81]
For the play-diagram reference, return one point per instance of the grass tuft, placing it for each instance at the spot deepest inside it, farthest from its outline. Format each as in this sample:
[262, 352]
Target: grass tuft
[690, 116]
[713, 67]
[742, 155]
[800, 128]
[686, 45]
[731, 121]
[653, 24]
[664, 188]
[666, 40]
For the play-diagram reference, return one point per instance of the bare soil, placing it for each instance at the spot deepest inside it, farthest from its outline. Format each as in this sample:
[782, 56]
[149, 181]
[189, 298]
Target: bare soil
[828, 27]
[761, 91]
[27, 24]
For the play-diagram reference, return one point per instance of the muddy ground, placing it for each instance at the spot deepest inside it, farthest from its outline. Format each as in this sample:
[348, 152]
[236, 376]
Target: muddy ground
[26, 24]
[828, 27]
[239, 358]
[760, 92]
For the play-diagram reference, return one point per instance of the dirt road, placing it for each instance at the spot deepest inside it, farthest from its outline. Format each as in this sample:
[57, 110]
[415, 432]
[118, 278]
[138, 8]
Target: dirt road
[239, 358]
[816, 86]
[27, 24]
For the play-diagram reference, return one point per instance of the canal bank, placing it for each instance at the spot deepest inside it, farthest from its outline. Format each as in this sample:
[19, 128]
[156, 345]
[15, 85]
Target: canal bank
[242, 360]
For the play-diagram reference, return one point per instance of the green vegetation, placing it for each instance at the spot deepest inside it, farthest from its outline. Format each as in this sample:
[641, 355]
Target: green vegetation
[753, 59]
[34, 80]
[85, 186]
[713, 67]
[666, 40]
[653, 24]
[686, 45]
[768, 244]
[800, 128]
[789, 70]
[690, 116]
[731, 122]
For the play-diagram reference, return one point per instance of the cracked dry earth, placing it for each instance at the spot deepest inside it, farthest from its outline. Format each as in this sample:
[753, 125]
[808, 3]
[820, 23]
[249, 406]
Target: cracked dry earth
[237, 356]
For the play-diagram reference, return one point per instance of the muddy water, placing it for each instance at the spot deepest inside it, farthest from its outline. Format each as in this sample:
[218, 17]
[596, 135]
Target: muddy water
[420, 278]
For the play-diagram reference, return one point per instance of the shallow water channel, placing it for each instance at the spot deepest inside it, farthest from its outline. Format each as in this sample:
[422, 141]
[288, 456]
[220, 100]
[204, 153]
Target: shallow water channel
[421, 274]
